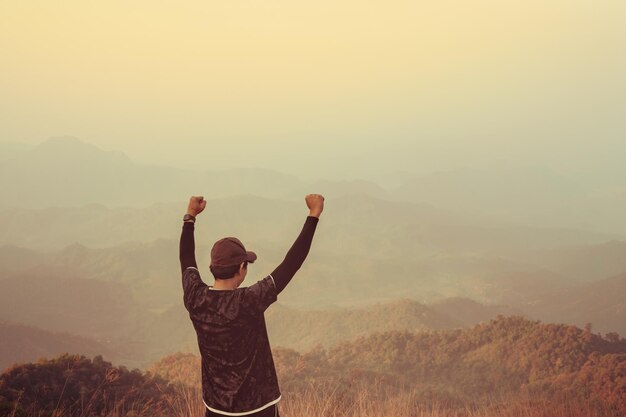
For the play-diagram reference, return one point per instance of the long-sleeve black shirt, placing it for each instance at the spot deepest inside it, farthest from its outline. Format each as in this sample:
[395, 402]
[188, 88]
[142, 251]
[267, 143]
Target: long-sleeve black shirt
[238, 373]
[282, 274]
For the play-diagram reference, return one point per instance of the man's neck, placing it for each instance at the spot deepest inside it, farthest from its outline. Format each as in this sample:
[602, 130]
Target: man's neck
[225, 284]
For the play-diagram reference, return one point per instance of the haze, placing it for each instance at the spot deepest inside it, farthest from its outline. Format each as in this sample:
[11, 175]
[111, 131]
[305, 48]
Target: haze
[472, 248]
[336, 90]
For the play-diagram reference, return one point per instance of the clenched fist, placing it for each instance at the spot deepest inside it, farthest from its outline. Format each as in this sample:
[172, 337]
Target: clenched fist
[196, 205]
[315, 203]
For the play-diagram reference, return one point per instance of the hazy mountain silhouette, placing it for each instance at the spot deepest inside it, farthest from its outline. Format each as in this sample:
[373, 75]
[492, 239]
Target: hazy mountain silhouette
[513, 191]
[14, 259]
[12, 149]
[85, 307]
[20, 343]
[66, 171]
[303, 329]
[469, 312]
[333, 277]
[111, 272]
[601, 303]
[422, 252]
[533, 195]
[582, 262]
[171, 331]
[108, 312]
[376, 225]
[341, 188]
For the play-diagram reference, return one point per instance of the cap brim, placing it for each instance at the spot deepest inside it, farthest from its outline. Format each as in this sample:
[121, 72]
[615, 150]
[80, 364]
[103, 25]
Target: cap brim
[251, 256]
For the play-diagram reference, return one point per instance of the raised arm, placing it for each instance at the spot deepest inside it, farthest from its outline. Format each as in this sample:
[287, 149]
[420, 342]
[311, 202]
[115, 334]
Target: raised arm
[187, 243]
[300, 248]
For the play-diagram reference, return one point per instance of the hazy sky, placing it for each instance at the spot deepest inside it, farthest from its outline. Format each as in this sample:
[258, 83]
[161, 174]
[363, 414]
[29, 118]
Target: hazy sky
[347, 87]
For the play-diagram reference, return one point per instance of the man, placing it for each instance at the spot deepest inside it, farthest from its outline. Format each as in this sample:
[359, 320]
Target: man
[238, 373]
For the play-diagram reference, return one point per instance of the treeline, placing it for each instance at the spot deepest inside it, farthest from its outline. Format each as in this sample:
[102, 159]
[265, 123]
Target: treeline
[505, 357]
[488, 365]
[73, 385]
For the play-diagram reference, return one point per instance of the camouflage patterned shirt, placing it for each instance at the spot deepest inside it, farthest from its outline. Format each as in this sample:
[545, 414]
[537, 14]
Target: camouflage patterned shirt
[238, 372]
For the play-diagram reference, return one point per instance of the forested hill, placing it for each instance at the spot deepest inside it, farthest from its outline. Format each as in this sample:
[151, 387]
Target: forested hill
[303, 329]
[494, 363]
[73, 385]
[506, 356]
[21, 343]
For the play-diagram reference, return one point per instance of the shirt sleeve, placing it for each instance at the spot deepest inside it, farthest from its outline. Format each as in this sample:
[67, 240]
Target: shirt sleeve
[192, 282]
[258, 297]
[296, 255]
[187, 247]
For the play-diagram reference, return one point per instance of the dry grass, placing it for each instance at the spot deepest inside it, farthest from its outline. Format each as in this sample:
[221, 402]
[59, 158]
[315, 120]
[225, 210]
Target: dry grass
[370, 402]
[311, 403]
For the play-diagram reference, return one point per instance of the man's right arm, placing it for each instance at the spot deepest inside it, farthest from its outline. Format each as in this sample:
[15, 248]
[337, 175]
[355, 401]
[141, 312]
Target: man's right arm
[190, 275]
[187, 247]
[296, 255]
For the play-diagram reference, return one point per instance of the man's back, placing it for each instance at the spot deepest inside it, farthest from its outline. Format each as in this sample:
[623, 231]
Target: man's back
[233, 343]
[238, 373]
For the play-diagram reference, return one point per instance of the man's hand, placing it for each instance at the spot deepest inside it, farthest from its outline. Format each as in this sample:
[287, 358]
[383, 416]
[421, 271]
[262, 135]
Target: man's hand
[196, 205]
[315, 203]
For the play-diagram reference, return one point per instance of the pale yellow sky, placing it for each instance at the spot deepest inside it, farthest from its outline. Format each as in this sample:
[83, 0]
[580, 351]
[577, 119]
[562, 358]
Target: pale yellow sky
[377, 85]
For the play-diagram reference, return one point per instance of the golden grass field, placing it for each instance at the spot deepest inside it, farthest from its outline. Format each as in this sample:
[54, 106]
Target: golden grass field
[187, 403]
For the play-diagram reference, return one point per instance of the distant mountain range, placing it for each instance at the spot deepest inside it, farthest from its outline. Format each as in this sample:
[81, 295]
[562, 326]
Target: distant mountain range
[600, 303]
[65, 171]
[299, 329]
[89, 245]
[136, 336]
[348, 265]
[468, 312]
[87, 307]
[304, 329]
[584, 262]
[20, 343]
[531, 195]
[142, 336]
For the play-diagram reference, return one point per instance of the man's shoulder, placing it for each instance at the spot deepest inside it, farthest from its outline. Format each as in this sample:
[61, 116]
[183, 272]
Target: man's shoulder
[191, 271]
[192, 274]
[261, 294]
[264, 284]
[193, 286]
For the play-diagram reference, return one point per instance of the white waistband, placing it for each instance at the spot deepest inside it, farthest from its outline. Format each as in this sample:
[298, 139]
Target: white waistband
[243, 413]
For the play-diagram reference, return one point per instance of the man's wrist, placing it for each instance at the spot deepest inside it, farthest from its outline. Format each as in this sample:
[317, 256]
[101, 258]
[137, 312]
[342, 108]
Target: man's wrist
[314, 214]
